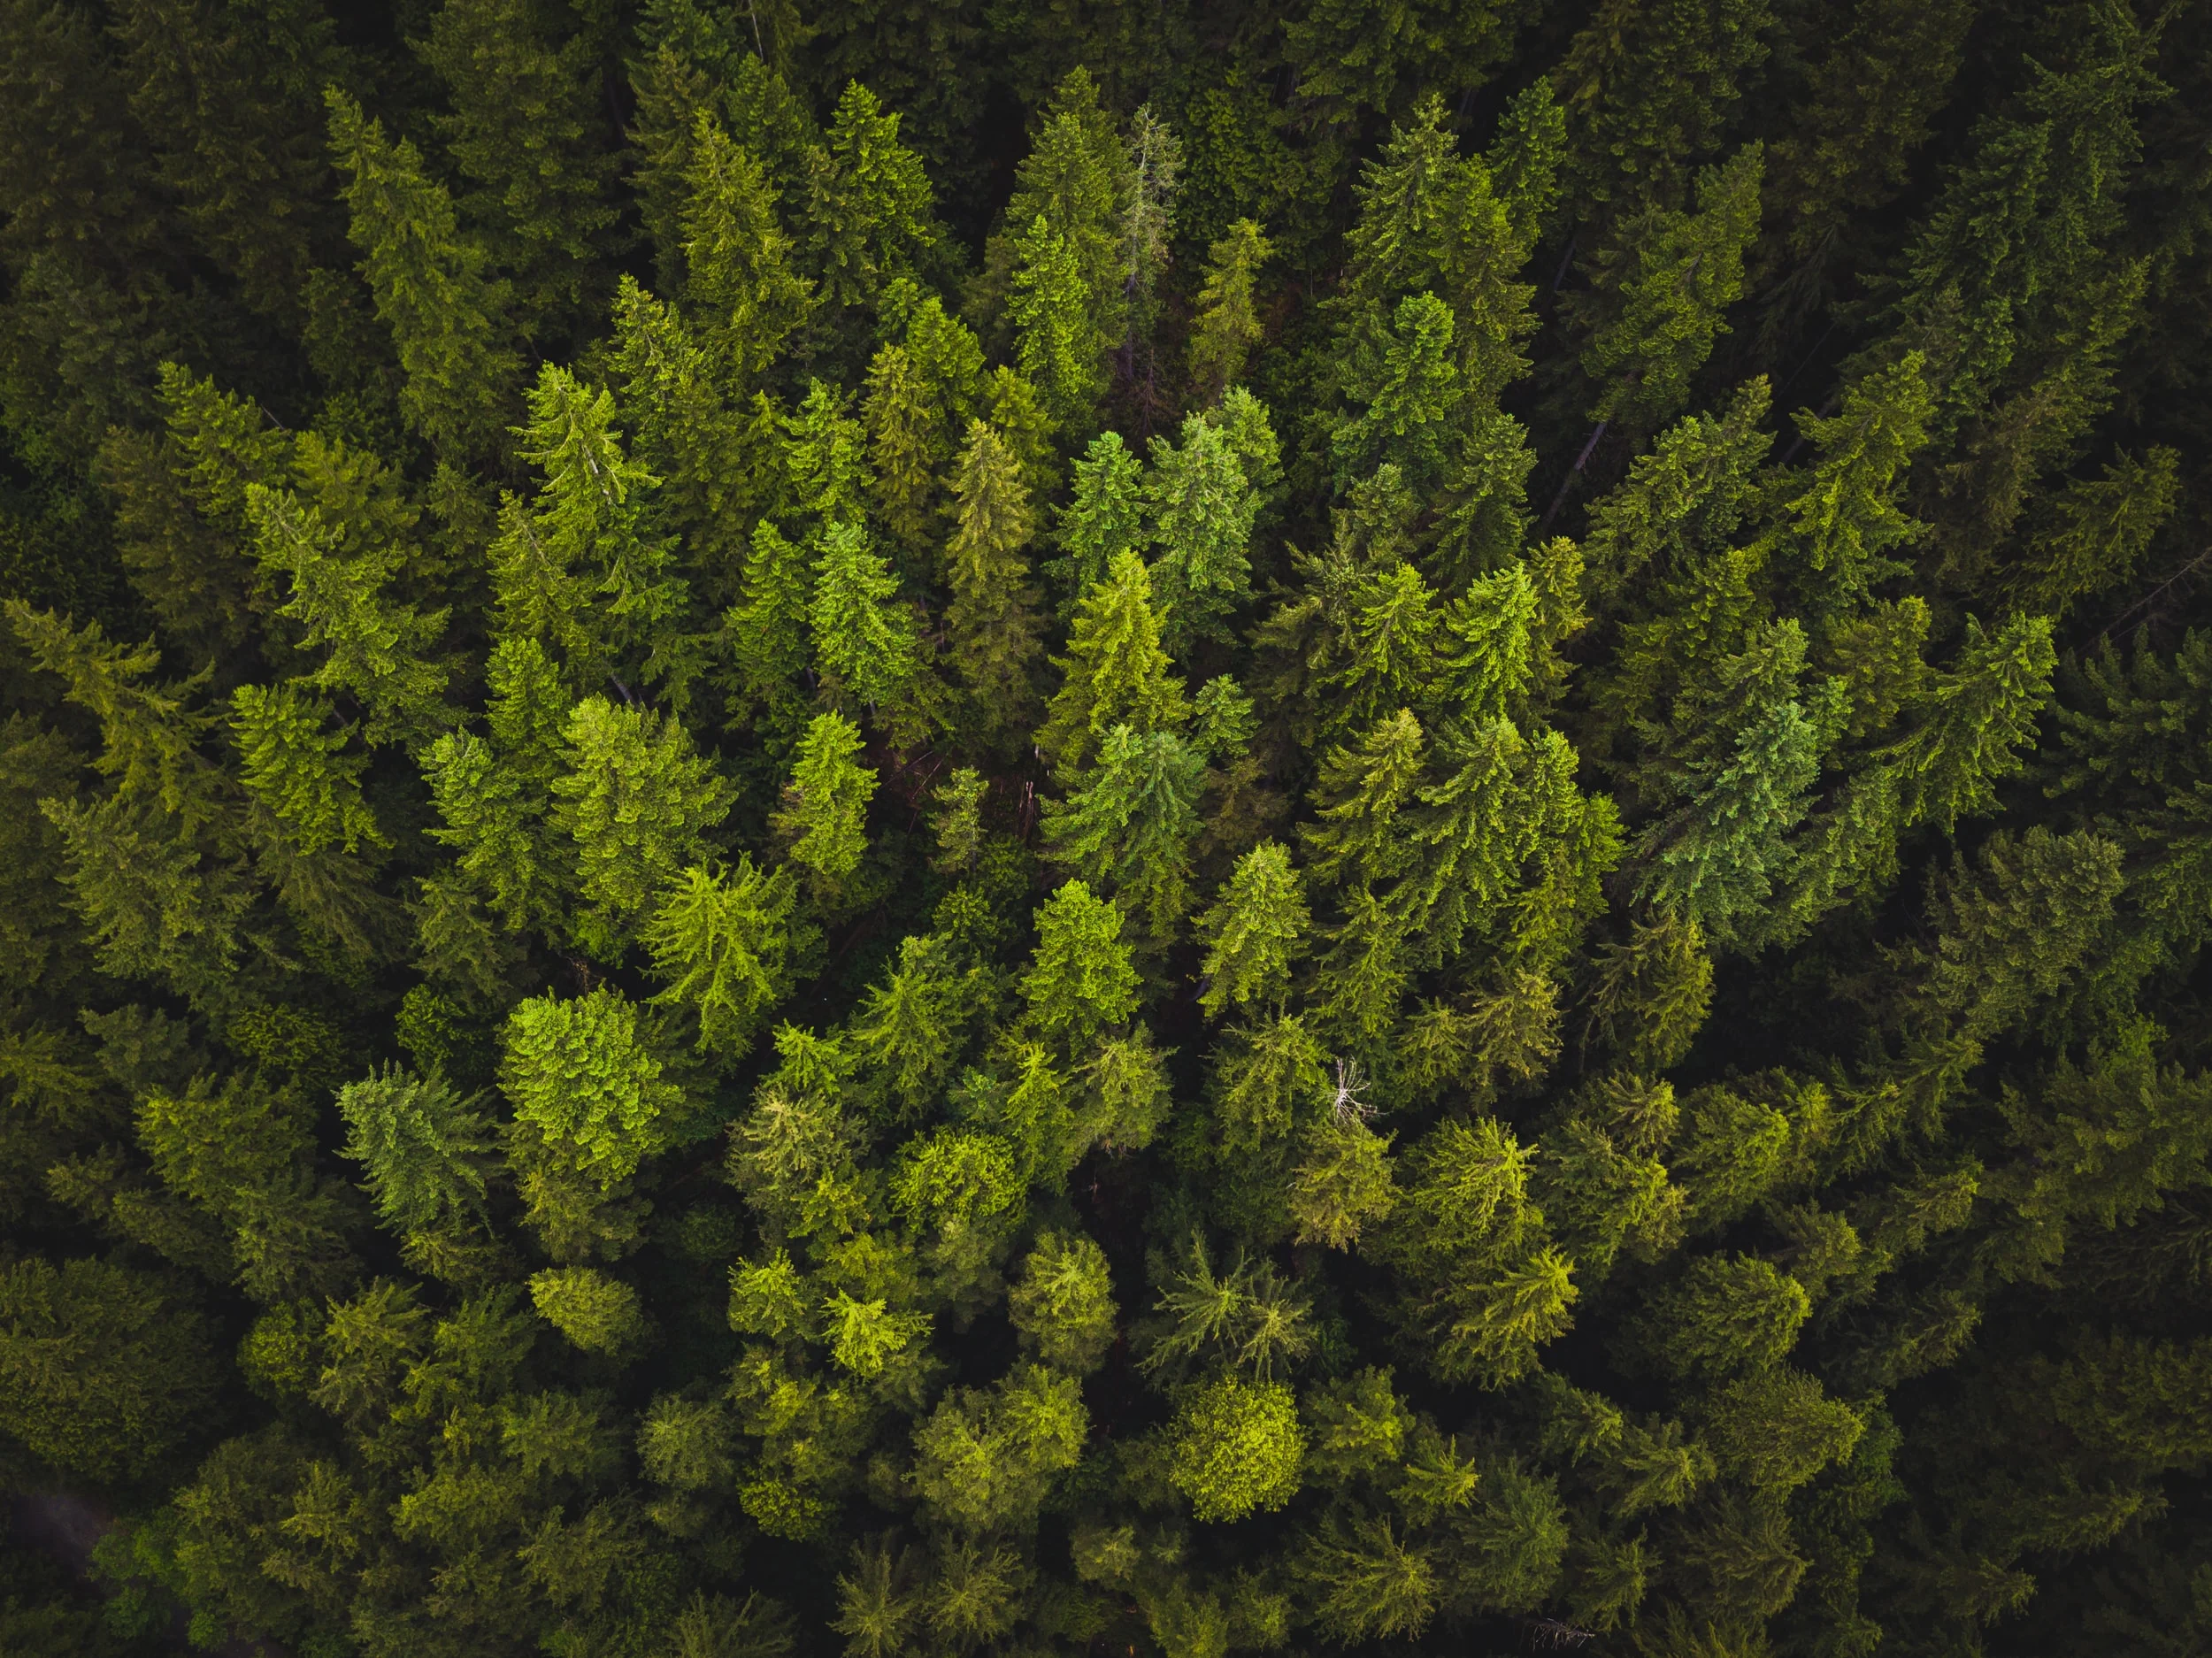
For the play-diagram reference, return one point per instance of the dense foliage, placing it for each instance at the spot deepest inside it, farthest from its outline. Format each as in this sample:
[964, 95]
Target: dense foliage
[908, 830]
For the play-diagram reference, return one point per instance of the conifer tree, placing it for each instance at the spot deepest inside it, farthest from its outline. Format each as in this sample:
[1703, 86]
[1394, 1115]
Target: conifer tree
[1647, 90]
[870, 203]
[1411, 389]
[825, 812]
[638, 802]
[582, 1082]
[689, 435]
[1356, 54]
[574, 569]
[862, 632]
[524, 131]
[722, 939]
[104, 1368]
[1227, 324]
[1053, 314]
[991, 625]
[1202, 507]
[1664, 288]
[907, 445]
[1254, 931]
[295, 765]
[427, 1149]
[1129, 823]
[1081, 978]
[1077, 180]
[768, 623]
[379, 646]
[739, 284]
[449, 320]
[1842, 526]
[1116, 673]
[1105, 519]
[235, 122]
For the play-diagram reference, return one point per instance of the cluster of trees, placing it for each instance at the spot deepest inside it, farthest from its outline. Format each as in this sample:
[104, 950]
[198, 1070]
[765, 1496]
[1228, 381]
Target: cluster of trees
[914, 829]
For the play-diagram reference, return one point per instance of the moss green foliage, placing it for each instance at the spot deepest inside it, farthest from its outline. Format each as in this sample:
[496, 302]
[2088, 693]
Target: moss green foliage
[1023, 830]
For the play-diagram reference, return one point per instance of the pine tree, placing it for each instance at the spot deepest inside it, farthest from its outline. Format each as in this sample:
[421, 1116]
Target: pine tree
[825, 815]
[1980, 713]
[739, 285]
[1869, 103]
[524, 132]
[825, 456]
[581, 537]
[722, 939]
[638, 804]
[1153, 162]
[1106, 517]
[1661, 294]
[704, 451]
[670, 90]
[1358, 797]
[1648, 89]
[1202, 507]
[1115, 672]
[448, 321]
[1254, 932]
[871, 207]
[1063, 1304]
[862, 634]
[907, 445]
[1719, 854]
[1227, 325]
[992, 626]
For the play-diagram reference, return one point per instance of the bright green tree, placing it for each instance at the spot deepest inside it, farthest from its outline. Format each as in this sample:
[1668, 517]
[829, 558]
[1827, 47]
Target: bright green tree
[581, 1080]
[1081, 977]
[1115, 672]
[824, 813]
[638, 804]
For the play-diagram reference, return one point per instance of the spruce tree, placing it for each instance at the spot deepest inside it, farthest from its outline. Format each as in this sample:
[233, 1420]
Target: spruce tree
[1226, 326]
[1202, 506]
[738, 283]
[1116, 673]
[825, 811]
[639, 804]
[870, 203]
[863, 632]
[524, 131]
[449, 320]
[991, 625]
[1105, 519]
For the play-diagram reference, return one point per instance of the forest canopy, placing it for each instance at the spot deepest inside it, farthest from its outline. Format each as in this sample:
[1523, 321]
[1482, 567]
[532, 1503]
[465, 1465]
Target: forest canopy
[925, 829]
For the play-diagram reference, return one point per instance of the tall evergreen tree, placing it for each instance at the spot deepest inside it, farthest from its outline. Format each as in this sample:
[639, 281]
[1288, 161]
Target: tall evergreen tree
[992, 626]
[449, 319]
